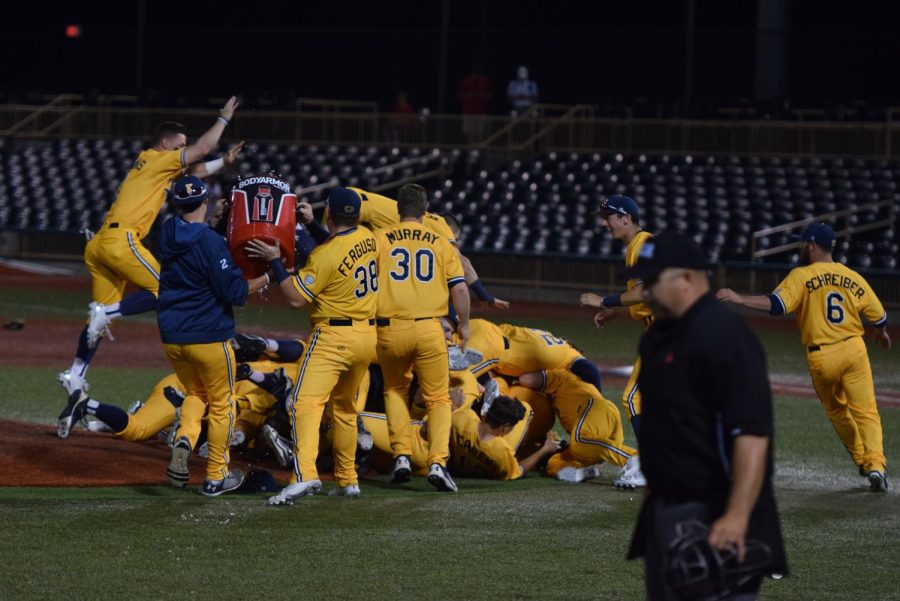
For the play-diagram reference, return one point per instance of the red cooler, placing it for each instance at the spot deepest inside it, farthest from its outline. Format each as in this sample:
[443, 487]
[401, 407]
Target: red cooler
[262, 207]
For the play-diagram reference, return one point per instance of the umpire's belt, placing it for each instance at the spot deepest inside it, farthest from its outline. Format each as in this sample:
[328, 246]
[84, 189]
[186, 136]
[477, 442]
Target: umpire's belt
[818, 347]
[346, 322]
[385, 321]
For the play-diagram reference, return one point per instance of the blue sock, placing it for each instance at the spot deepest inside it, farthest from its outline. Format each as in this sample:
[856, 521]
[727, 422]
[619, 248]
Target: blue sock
[84, 353]
[112, 416]
[141, 301]
[636, 425]
[289, 351]
[587, 371]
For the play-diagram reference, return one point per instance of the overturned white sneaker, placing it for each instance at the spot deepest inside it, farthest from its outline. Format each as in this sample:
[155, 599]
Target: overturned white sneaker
[578, 474]
[345, 491]
[295, 491]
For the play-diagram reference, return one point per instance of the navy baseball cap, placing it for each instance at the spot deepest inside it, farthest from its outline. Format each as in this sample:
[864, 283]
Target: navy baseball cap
[343, 201]
[820, 234]
[188, 190]
[619, 204]
[665, 250]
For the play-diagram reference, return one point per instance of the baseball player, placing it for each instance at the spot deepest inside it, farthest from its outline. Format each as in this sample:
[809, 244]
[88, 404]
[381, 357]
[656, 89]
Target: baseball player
[513, 350]
[620, 217]
[339, 282]
[115, 255]
[380, 212]
[594, 426]
[199, 283]
[828, 299]
[418, 271]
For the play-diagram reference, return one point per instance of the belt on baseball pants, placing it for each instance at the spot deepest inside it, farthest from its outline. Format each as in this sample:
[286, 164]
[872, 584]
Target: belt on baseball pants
[346, 322]
[505, 343]
[818, 347]
[385, 321]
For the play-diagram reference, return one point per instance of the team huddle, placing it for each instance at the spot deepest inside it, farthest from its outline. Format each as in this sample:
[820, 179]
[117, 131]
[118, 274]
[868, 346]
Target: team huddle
[394, 376]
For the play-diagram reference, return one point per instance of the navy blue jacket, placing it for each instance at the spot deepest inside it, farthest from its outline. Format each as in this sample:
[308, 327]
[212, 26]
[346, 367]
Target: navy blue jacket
[198, 284]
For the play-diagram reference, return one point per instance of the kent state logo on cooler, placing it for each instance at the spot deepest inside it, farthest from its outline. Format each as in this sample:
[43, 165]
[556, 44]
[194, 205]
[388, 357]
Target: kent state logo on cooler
[262, 205]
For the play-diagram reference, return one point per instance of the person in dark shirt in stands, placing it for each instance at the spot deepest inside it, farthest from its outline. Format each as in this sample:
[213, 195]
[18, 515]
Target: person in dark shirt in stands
[705, 439]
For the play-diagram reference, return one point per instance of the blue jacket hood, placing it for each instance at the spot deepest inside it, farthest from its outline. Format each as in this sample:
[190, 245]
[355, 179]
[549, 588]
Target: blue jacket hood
[178, 236]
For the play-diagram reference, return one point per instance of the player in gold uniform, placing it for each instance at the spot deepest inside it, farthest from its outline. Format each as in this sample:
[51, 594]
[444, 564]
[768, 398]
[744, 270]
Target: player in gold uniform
[339, 282]
[594, 426]
[828, 299]
[620, 218]
[115, 255]
[418, 270]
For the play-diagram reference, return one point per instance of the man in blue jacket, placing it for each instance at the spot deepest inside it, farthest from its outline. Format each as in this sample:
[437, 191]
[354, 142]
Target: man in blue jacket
[198, 285]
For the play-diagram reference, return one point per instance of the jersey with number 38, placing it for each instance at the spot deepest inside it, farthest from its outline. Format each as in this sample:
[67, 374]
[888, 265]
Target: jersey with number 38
[340, 278]
[417, 269]
[828, 299]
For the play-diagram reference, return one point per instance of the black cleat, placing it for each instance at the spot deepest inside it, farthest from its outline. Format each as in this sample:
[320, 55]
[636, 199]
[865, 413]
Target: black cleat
[174, 396]
[243, 372]
[248, 348]
[74, 411]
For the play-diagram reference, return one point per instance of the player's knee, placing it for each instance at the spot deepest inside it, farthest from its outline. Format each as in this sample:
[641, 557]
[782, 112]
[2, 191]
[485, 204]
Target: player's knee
[587, 371]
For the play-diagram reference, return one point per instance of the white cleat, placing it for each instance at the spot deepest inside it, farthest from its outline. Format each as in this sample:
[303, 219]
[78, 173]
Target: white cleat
[344, 491]
[295, 491]
[439, 477]
[98, 324]
[402, 470]
[578, 474]
[280, 446]
[630, 476]
[71, 381]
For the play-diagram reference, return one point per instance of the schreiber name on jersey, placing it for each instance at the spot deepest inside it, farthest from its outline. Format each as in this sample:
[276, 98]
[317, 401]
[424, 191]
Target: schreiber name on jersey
[283, 186]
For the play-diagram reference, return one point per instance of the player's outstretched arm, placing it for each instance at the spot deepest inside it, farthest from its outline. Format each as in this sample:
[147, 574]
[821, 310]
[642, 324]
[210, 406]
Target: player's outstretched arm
[759, 302]
[257, 249]
[477, 287]
[203, 170]
[208, 141]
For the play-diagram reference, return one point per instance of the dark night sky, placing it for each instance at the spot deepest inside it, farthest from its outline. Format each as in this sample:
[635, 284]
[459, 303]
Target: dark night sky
[578, 51]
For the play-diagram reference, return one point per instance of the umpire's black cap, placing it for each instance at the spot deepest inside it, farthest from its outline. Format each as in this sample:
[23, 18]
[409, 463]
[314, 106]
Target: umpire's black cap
[665, 250]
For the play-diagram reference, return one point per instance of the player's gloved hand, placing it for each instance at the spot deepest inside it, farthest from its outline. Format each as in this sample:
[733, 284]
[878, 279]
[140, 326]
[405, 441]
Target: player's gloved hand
[589, 299]
[257, 249]
[233, 152]
[227, 111]
[304, 212]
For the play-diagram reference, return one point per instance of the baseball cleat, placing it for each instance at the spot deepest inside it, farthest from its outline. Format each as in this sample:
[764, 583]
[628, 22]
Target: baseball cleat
[135, 406]
[285, 387]
[281, 447]
[363, 437]
[345, 491]
[630, 476]
[71, 381]
[177, 471]
[295, 491]
[98, 324]
[174, 396]
[402, 470]
[249, 348]
[461, 359]
[243, 372]
[214, 488]
[578, 474]
[878, 481]
[74, 411]
[439, 477]
[95, 425]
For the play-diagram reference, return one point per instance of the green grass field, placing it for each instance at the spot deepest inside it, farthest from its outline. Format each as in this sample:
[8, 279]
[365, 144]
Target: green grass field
[531, 539]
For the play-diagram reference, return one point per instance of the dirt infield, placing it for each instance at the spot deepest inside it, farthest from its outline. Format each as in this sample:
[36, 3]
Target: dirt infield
[32, 455]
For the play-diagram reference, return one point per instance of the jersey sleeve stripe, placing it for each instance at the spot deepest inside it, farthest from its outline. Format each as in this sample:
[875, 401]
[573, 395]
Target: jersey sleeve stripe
[780, 302]
[881, 321]
[303, 289]
[478, 368]
[454, 281]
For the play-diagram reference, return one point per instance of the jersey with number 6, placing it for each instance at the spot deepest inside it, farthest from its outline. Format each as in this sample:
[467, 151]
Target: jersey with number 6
[340, 278]
[417, 269]
[828, 299]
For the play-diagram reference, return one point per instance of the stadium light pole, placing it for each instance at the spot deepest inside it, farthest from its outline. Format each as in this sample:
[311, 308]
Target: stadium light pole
[442, 65]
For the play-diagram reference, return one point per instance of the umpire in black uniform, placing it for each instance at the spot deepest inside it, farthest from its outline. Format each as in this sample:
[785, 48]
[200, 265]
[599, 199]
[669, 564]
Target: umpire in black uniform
[709, 527]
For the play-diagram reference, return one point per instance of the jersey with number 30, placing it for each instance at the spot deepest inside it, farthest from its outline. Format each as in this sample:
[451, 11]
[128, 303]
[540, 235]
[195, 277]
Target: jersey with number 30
[417, 269]
[340, 278]
[828, 299]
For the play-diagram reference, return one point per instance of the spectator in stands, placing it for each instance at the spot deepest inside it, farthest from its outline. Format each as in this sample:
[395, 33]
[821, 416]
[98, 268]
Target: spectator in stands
[521, 92]
[475, 92]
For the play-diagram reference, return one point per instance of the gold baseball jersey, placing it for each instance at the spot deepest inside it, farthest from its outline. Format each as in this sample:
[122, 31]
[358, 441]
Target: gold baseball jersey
[828, 299]
[474, 458]
[466, 381]
[143, 191]
[380, 212]
[640, 311]
[340, 279]
[531, 350]
[416, 270]
[487, 339]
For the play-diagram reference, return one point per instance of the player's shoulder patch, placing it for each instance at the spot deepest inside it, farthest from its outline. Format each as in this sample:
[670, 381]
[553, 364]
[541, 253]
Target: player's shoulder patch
[309, 279]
